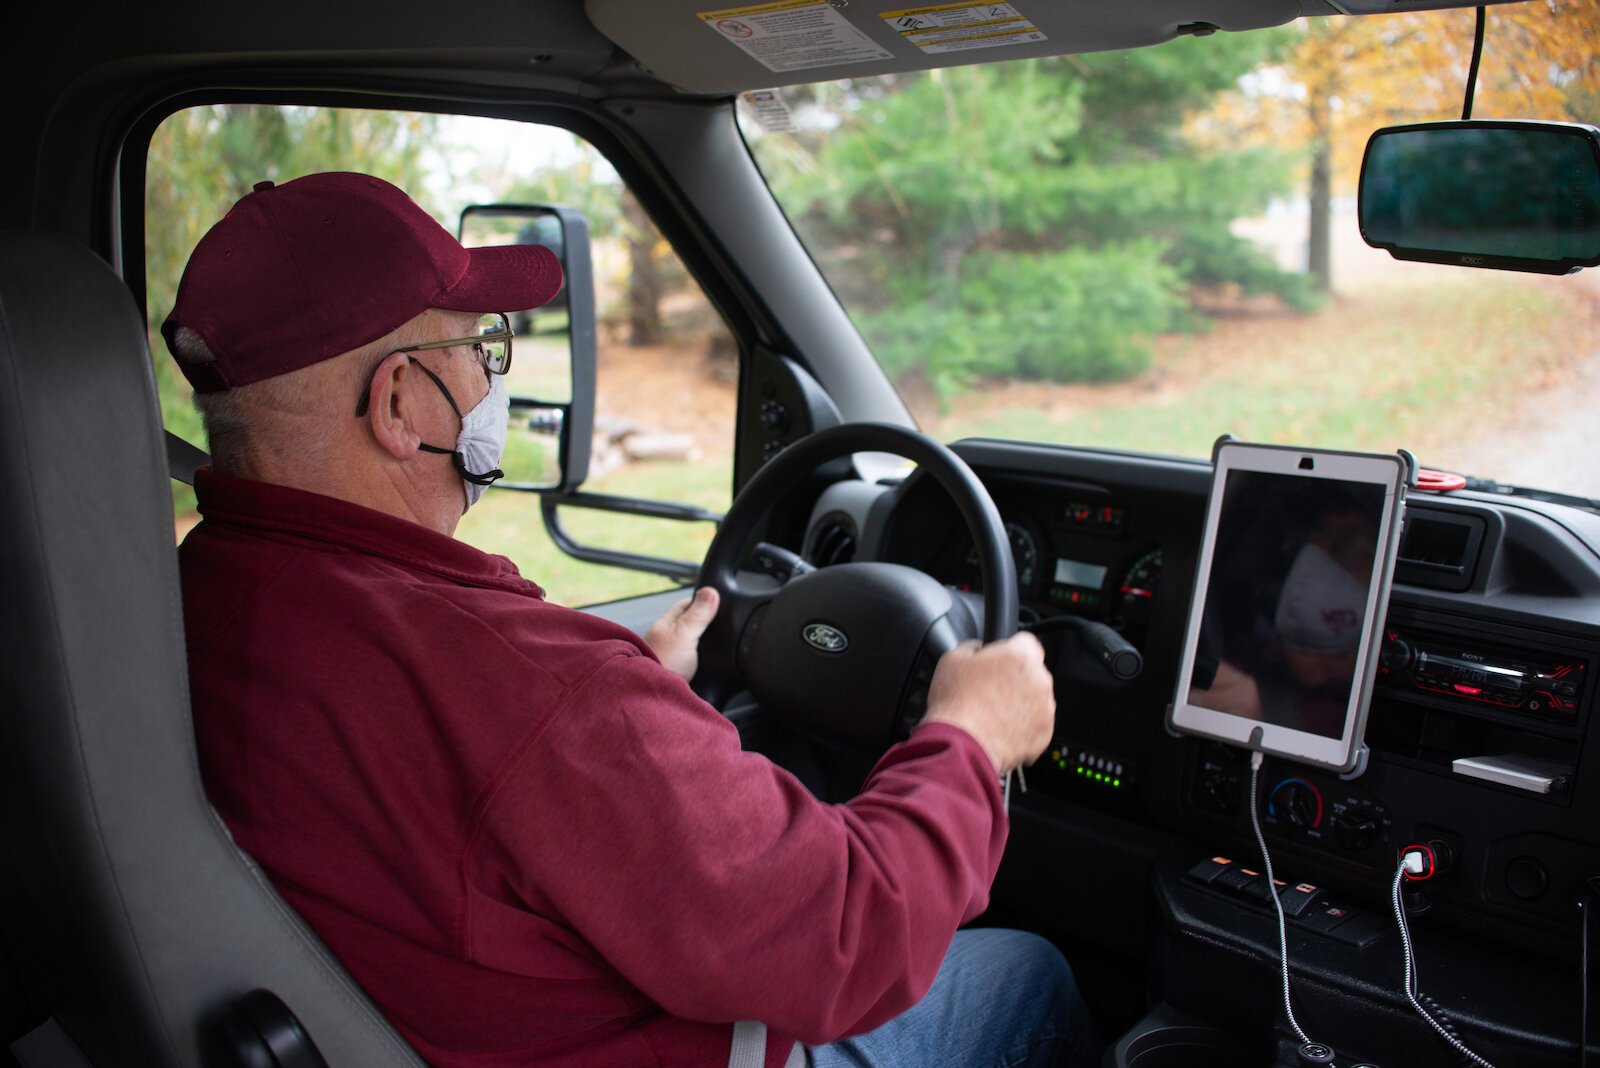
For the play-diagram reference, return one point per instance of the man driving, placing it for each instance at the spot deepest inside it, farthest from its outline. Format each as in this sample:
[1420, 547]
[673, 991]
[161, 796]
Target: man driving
[514, 823]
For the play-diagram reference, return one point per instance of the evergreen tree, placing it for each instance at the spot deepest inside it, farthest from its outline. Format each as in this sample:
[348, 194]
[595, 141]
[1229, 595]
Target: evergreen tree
[1044, 218]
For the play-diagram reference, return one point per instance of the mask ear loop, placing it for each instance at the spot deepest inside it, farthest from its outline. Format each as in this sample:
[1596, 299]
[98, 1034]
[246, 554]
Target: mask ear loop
[486, 478]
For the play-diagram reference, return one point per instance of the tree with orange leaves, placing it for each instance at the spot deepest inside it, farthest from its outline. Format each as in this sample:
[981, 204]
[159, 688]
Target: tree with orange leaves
[1351, 75]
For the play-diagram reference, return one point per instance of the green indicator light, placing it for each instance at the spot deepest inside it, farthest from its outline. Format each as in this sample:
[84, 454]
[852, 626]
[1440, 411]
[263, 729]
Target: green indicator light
[1116, 782]
[1099, 777]
[1080, 769]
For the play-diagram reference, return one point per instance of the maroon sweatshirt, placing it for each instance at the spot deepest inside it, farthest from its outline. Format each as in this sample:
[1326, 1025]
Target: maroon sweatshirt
[529, 841]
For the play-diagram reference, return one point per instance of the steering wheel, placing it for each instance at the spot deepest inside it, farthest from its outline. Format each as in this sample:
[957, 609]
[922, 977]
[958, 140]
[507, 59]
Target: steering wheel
[847, 652]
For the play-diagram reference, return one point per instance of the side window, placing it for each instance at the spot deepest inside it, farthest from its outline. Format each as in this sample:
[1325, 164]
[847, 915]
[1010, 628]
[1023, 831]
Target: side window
[667, 373]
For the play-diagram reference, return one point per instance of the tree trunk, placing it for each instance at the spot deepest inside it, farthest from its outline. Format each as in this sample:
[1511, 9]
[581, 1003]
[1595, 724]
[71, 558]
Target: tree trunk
[644, 277]
[1319, 247]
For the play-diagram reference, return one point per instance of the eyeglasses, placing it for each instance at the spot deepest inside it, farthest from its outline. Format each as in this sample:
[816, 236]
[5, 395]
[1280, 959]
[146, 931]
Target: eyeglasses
[492, 343]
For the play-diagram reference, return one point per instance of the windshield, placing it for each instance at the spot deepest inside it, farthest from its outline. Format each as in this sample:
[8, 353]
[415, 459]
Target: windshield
[1148, 249]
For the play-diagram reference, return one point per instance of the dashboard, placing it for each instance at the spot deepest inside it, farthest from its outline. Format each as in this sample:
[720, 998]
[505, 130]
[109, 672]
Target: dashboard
[1480, 738]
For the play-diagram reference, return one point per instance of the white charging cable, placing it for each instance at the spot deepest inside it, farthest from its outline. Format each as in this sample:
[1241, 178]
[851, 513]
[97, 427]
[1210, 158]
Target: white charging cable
[1272, 891]
[1415, 863]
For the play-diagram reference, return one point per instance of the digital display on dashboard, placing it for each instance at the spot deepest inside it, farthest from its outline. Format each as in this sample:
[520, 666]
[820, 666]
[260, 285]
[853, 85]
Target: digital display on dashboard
[1078, 573]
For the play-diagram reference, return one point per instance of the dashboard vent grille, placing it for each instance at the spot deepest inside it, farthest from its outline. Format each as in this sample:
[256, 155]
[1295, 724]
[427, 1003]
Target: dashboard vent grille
[832, 541]
[1439, 550]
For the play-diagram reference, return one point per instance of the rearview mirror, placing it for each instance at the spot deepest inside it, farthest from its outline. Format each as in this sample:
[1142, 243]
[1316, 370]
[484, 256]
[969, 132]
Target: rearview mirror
[552, 374]
[1504, 194]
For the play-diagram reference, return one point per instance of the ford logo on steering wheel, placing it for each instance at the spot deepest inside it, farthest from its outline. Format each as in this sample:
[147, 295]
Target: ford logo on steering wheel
[824, 638]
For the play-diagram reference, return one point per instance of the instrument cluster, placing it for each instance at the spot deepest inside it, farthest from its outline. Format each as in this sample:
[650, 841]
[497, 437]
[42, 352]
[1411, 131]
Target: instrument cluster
[1075, 554]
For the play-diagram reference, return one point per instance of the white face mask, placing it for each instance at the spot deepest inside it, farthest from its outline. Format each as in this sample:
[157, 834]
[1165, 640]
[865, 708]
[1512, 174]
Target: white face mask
[482, 440]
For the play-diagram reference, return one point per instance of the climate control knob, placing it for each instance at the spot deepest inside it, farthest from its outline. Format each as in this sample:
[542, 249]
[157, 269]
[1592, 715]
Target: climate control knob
[1356, 829]
[1220, 792]
[1297, 803]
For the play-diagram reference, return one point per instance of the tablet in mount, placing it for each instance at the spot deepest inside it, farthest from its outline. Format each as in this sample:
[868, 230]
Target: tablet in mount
[1290, 595]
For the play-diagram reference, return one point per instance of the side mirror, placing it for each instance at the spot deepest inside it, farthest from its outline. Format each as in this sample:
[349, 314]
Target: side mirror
[1504, 194]
[552, 375]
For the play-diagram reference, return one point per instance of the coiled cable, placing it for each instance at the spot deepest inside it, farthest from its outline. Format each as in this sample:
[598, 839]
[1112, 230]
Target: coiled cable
[1419, 1001]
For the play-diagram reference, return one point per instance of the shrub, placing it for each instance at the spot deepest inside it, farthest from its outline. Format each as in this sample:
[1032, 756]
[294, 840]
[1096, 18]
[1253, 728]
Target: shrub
[1078, 315]
[1217, 257]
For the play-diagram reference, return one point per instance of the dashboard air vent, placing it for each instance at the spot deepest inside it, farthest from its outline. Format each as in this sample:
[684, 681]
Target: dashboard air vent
[1439, 550]
[832, 540]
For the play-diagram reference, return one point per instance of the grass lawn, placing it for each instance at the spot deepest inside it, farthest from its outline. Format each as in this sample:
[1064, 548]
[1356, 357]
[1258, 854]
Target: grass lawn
[1389, 368]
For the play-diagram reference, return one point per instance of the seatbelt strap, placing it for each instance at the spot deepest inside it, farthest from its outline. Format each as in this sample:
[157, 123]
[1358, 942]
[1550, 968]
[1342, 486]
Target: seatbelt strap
[49, 1046]
[750, 1047]
[183, 459]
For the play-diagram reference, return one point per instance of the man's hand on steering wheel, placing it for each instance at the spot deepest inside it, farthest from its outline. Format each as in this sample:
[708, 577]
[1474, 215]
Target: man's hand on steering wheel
[675, 637]
[1001, 694]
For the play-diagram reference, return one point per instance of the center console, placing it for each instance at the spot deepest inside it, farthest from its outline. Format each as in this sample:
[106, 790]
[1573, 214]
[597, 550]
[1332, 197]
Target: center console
[1482, 760]
[1478, 735]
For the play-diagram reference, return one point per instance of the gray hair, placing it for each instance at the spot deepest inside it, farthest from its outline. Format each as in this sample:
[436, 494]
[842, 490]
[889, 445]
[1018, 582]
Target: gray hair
[246, 421]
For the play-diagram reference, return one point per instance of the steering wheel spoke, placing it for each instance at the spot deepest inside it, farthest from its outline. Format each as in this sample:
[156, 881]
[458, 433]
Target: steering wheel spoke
[956, 626]
[725, 646]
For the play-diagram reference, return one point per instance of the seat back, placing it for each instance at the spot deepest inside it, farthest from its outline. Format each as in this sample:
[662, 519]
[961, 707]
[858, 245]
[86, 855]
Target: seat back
[141, 921]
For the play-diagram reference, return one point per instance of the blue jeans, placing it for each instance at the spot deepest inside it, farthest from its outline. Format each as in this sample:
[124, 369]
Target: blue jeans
[1002, 999]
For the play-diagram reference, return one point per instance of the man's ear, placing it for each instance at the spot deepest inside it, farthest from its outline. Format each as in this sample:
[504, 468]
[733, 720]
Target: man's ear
[391, 406]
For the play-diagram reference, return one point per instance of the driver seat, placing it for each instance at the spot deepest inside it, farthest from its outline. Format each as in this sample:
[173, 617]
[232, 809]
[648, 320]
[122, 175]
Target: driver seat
[135, 924]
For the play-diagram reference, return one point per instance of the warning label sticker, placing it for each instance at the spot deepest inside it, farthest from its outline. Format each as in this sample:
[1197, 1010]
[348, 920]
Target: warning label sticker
[959, 27]
[794, 34]
[770, 109]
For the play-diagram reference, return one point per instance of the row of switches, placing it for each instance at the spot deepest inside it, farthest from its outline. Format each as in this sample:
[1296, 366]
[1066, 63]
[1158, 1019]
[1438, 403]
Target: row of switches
[1304, 904]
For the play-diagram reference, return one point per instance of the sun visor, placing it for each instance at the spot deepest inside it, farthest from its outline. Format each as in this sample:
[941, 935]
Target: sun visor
[713, 46]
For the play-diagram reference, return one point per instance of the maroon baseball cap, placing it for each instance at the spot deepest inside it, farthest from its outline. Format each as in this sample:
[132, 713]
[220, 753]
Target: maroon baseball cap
[301, 272]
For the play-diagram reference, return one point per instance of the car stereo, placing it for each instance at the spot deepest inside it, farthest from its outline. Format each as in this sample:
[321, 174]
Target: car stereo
[1475, 675]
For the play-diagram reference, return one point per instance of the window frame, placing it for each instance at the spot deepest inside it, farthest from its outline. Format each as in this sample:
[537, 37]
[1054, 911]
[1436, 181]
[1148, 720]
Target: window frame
[662, 203]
